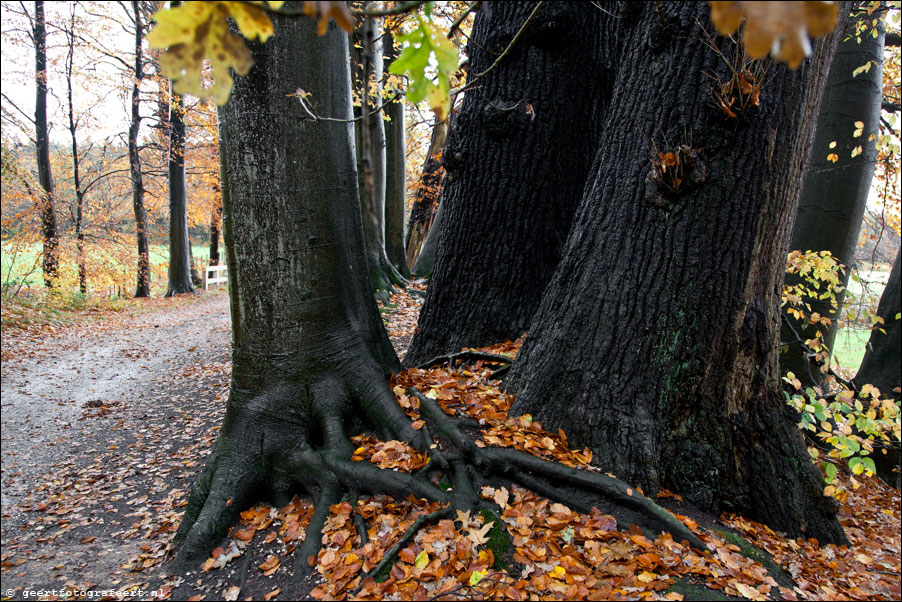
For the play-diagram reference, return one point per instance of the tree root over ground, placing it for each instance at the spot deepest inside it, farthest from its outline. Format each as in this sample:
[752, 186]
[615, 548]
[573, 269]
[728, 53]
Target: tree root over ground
[268, 450]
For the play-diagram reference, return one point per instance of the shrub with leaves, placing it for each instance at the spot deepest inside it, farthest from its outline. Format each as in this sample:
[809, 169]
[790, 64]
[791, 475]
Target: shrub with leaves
[845, 421]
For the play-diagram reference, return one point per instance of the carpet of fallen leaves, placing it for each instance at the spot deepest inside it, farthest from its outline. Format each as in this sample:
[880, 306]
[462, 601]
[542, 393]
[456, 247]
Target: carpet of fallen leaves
[557, 553]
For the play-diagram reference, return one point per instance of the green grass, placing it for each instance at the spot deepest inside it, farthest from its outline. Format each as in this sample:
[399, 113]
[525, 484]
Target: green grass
[849, 346]
[27, 255]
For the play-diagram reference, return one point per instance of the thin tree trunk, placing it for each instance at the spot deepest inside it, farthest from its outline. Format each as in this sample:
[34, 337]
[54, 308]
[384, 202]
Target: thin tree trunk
[366, 64]
[215, 221]
[76, 177]
[142, 288]
[425, 262]
[835, 194]
[428, 191]
[180, 281]
[657, 340]
[509, 198]
[395, 172]
[42, 148]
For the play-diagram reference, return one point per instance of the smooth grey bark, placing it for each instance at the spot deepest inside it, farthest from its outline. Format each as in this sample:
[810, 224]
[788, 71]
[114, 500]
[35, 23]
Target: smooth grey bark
[142, 288]
[180, 281]
[50, 262]
[366, 65]
[880, 367]
[395, 172]
[656, 342]
[516, 161]
[834, 195]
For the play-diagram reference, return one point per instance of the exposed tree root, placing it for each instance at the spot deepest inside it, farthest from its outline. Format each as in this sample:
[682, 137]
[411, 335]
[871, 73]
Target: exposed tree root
[465, 356]
[262, 453]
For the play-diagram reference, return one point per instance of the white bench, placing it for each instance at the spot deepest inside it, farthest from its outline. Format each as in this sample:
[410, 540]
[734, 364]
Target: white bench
[215, 274]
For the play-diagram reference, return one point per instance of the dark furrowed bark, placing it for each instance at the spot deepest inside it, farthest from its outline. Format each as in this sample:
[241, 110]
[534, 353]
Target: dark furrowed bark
[656, 342]
[180, 280]
[516, 165]
[835, 194]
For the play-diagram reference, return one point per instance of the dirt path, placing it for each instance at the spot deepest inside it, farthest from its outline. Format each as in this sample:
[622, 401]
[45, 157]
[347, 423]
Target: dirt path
[104, 426]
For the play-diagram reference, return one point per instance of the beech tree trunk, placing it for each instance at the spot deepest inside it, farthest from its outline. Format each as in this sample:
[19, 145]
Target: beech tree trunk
[42, 148]
[425, 262]
[657, 340]
[310, 356]
[395, 172]
[366, 61]
[142, 288]
[835, 194]
[428, 191]
[180, 281]
[516, 162]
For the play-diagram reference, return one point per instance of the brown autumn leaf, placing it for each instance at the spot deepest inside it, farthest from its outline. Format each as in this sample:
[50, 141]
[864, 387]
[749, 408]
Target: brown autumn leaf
[328, 10]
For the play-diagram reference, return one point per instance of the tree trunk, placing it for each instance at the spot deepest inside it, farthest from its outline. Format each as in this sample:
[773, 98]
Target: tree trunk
[215, 221]
[310, 357]
[76, 166]
[366, 63]
[429, 189]
[835, 194]
[42, 148]
[134, 164]
[395, 172]
[179, 245]
[656, 342]
[509, 198]
[425, 262]
[880, 366]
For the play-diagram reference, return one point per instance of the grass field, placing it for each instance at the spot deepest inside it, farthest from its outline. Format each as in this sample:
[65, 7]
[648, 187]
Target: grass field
[25, 263]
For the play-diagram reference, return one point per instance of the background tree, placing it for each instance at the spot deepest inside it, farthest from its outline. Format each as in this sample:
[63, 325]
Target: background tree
[426, 194]
[180, 280]
[837, 183]
[508, 202]
[657, 340]
[134, 158]
[395, 169]
[42, 148]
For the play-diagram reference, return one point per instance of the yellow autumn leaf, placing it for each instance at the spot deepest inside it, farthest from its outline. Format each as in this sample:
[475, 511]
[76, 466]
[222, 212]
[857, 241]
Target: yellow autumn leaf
[422, 560]
[833, 157]
[476, 577]
[195, 31]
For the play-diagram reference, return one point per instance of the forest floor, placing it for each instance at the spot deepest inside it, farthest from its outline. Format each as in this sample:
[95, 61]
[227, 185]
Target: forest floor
[106, 422]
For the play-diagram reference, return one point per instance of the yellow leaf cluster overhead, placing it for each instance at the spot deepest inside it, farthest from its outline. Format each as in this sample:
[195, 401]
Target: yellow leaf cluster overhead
[779, 28]
[196, 31]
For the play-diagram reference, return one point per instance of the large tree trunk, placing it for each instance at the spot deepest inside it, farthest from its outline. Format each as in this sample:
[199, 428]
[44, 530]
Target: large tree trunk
[142, 288]
[656, 342]
[42, 148]
[517, 160]
[835, 194]
[180, 281]
[366, 62]
[310, 357]
[880, 366]
[395, 172]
